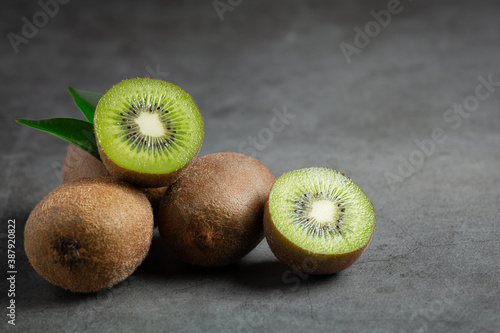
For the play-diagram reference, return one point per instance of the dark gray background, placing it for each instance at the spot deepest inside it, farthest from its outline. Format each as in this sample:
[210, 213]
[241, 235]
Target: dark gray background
[433, 263]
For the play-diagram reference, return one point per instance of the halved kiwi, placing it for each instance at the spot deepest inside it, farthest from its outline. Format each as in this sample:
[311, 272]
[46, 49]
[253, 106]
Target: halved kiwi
[89, 234]
[147, 130]
[213, 214]
[318, 220]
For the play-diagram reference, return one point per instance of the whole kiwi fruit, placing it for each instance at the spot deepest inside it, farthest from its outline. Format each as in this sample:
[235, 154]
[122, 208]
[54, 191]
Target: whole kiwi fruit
[213, 214]
[317, 220]
[147, 131]
[89, 234]
[80, 164]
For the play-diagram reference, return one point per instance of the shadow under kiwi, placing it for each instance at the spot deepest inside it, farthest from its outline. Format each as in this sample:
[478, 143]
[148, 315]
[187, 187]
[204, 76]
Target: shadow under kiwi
[273, 275]
[269, 274]
[161, 262]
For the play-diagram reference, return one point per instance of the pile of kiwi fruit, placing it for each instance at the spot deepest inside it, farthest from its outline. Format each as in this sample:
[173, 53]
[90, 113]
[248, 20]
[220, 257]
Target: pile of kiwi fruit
[95, 229]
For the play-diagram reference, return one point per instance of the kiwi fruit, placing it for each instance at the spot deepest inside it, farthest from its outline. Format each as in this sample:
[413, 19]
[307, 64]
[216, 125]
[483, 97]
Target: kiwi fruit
[317, 220]
[89, 234]
[80, 164]
[213, 214]
[154, 195]
[147, 131]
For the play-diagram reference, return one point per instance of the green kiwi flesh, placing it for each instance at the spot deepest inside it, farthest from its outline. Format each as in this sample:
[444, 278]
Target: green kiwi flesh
[213, 214]
[147, 130]
[318, 213]
[89, 234]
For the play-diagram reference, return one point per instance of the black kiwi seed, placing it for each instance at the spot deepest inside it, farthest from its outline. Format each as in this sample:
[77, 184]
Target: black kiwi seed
[146, 142]
[302, 209]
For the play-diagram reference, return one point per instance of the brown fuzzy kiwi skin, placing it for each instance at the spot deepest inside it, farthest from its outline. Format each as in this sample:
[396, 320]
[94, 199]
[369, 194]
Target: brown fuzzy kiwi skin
[302, 260]
[89, 234]
[80, 164]
[213, 215]
[154, 195]
[141, 179]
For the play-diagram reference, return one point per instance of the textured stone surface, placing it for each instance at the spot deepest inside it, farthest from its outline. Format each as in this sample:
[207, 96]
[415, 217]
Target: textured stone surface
[433, 263]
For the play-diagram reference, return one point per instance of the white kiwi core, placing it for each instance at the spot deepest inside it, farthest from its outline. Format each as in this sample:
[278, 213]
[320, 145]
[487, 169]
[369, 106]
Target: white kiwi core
[324, 211]
[150, 124]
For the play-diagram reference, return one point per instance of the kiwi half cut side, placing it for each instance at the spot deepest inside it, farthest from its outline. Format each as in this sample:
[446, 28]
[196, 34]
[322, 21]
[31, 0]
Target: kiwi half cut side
[147, 130]
[317, 220]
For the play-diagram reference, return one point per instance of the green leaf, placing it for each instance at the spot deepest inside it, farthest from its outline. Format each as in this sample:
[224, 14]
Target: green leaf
[86, 101]
[75, 131]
